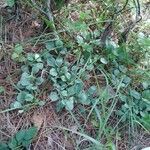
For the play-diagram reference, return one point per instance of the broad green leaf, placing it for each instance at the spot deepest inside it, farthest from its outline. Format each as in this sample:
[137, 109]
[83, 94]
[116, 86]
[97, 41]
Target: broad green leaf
[14, 56]
[59, 43]
[78, 86]
[34, 57]
[83, 98]
[31, 87]
[86, 55]
[4, 146]
[51, 61]
[116, 72]
[87, 35]
[59, 61]
[29, 97]
[92, 90]
[21, 58]
[23, 138]
[146, 121]
[21, 97]
[146, 94]
[64, 93]
[79, 39]
[13, 144]
[74, 69]
[25, 68]
[2, 89]
[109, 45]
[24, 96]
[135, 94]
[26, 143]
[145, 84]
[30, 133]
[87, 47]
[39, 80]
[59, 106]
[71, 91]
[20, 136]
[18, 48]
[63, 78]
[90, 67]
[63, 51]
[30, 56]
[53, 96]
[80, 26]
[122, 68]
[37, 67]
[96, 33]
[41, 103]
[123, 97]
[104, 61]
[10, 3]
[53, 72]
[68, 75]
[16, 104]
[50, 45]
[37, 57]
[25, 79]
[83, 15]
[64, 69]
[144, 42]
[48, 22]
[97, 42]
[69, 104]
[127, 80]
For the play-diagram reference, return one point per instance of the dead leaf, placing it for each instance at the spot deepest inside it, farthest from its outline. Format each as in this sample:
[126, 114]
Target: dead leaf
[37, 120]
[35, 24]
[50, 140]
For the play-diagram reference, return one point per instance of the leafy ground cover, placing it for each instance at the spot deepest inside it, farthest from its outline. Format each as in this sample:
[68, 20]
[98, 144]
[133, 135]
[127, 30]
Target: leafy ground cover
[74, 75]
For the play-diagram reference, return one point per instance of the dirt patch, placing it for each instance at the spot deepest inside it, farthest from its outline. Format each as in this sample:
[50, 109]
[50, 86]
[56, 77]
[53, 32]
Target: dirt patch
[19, 24]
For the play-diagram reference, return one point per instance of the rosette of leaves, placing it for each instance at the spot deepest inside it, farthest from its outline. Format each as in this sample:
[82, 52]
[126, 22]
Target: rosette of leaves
[137, 102]
[17, 54]
[68, 86]
[30, 81]
[67, 78]
[31, 77]
[68, 96]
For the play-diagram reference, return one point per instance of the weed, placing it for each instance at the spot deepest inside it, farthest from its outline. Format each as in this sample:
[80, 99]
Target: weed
[91, 62]
[10, 3]
[21, 140]
[30, 80]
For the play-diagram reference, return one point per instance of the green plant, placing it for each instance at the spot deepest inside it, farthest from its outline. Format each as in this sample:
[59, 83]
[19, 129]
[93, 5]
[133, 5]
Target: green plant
[30, 81]
[88, 61]
[18, 53]
[2, 89]
[10, 3]
[134, 103]
[68, 80]
[21, 140]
